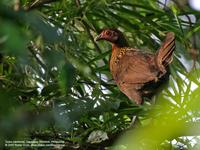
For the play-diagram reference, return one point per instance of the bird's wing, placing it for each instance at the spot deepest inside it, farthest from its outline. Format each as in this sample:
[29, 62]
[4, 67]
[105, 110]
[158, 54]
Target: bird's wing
[164, 55]
[137, 68]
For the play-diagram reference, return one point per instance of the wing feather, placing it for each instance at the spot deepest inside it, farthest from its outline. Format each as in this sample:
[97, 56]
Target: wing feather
[137, 67]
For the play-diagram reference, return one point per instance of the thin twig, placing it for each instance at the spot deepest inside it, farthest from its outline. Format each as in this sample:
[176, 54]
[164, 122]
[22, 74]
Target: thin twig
[90, 36]
[102, 83]
[32, 48]
[192, 51]
[87, 28]
[38, 4]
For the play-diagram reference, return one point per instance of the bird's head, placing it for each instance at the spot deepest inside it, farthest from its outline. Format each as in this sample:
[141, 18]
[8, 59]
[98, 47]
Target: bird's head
[114, 36]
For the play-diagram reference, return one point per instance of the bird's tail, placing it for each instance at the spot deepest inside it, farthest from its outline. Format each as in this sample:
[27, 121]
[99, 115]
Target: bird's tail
[164, 55]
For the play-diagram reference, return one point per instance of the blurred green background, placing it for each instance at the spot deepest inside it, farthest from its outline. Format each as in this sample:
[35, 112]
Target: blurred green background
[55, 82]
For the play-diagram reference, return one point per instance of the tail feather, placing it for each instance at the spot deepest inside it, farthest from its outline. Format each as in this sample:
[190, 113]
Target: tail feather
[164, 55]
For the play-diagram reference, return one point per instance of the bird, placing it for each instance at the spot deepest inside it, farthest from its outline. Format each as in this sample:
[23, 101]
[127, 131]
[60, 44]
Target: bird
[137, 73]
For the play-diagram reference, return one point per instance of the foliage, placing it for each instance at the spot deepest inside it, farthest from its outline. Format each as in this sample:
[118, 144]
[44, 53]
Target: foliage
[55, 82]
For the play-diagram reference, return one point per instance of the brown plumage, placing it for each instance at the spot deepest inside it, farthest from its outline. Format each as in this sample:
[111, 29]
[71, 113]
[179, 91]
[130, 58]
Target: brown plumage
[138, 74]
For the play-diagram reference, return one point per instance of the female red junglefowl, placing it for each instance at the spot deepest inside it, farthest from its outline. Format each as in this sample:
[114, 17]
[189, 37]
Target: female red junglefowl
[138, 74]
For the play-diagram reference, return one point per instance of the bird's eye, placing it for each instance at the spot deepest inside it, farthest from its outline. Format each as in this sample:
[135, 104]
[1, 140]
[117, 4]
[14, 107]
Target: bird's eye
[108, 33]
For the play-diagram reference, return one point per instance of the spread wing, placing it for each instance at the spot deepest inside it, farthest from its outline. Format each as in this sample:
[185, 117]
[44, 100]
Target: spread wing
[136, 67]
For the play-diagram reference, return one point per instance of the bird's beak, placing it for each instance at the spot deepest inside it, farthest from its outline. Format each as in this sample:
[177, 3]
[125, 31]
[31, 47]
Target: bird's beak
[99, 37]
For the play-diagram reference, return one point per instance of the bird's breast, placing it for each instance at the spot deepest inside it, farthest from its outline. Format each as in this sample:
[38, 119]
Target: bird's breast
[116, 56]
[114, 65]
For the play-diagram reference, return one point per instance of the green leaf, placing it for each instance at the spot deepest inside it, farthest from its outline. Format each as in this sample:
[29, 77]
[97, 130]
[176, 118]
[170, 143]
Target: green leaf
[67, 77]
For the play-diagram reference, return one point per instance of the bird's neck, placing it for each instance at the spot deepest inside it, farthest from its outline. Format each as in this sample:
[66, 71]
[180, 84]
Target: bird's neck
[116, 48]
[117, 52]
[120, 43]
